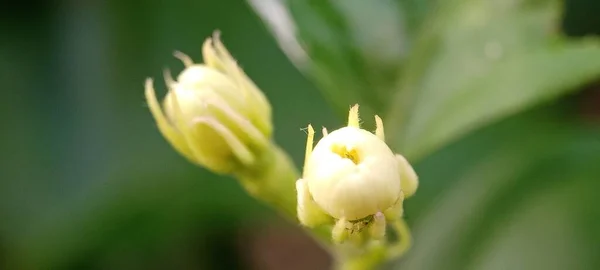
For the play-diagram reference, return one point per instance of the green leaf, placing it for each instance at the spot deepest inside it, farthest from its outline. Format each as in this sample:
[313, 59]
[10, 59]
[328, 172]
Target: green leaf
[438, 70]
[352, 49]
[516, 195]
[479, 61]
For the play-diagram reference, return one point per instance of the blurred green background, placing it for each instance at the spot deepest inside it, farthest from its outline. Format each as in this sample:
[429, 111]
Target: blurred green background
[87, 181]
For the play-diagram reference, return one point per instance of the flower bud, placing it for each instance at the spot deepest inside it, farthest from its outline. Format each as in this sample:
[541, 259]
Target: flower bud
[354, 178]
[213, 114]
[352, 174]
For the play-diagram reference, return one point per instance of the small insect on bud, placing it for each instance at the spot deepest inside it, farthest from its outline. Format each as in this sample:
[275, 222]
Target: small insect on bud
[353, 178]
[213, 114]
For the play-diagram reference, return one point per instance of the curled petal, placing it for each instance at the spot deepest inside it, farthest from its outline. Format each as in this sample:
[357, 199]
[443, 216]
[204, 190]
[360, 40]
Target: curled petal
[184, 58]
[240, 150]
[170, 133]
[251, 131]
[309, 213]
[404, 241]
[217, 56]
[409, 180]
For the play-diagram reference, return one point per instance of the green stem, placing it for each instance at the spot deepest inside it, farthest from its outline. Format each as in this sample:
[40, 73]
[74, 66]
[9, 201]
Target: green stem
[377, 253]
[273, 182]
[361, 259]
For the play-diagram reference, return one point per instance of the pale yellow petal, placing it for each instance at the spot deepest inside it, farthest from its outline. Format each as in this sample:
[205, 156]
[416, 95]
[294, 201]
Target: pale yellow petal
[309, 213]
[309, 144]
[409, 180]
[239, 149]
[169, 132]
[255, 136]
[353, 118]
[184, 58]
[379, 128]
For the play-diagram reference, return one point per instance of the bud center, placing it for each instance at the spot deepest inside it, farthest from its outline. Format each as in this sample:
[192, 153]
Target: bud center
[344, 152]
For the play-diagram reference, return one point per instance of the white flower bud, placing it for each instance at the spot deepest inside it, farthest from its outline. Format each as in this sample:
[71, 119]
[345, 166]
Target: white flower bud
[353, 178]
[352, 174]
[213, 114]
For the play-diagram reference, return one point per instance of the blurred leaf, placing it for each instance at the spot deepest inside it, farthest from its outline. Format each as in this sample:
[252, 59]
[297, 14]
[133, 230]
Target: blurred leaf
[508, 54]
[478, 61]
[352, 49]
[472, 63]
[522, 202]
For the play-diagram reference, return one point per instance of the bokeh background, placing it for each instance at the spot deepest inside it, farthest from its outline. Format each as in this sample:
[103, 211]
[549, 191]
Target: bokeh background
[87, 182]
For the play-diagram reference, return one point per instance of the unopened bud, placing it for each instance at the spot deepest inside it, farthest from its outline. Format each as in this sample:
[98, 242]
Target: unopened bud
[352, 174]
[354, 178]
[213, 114]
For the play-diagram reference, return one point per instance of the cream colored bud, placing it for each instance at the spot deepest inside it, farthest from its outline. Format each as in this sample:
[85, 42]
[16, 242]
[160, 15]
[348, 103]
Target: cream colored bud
[213, 113]
[354, 181]
[352, 174]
